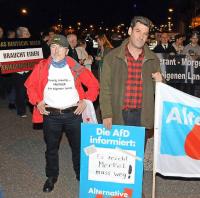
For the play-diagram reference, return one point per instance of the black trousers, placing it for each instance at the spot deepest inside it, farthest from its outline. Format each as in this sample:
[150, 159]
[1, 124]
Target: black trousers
[21, 96]
[53, 128]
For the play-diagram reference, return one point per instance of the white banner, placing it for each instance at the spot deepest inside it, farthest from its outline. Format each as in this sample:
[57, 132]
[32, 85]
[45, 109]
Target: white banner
[177, 133]
[20, 54]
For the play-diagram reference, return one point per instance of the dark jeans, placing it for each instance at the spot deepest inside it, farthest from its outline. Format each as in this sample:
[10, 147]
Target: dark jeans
[132, 117]
[54, 126]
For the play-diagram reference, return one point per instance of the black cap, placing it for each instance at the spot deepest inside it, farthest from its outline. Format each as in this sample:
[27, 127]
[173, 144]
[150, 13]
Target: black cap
[60, 40]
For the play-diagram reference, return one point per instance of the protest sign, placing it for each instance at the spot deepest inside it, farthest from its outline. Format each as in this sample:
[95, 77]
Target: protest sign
[18, 55]
[111, 161]
[179, 68]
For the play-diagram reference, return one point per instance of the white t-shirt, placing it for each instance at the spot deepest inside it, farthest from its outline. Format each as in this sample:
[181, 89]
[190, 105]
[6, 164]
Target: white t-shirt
[60, 91]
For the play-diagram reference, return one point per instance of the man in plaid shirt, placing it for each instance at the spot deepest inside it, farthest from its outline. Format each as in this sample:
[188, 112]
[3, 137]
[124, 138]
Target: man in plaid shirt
[128, 78]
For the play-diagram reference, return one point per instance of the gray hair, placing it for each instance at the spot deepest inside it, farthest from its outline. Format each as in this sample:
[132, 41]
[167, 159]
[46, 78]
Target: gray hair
[20, 31]
[145, 21]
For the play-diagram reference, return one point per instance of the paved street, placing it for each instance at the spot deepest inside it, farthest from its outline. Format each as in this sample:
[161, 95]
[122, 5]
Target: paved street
[22, 165]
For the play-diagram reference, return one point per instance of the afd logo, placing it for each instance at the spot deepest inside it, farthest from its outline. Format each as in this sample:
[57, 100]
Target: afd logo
[177, 122]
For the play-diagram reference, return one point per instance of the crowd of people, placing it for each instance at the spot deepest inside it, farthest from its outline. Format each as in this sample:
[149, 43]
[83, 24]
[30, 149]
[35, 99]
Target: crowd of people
[79, 49]
[124, 71]
[178, 46]
[191, 50]
[83, 52]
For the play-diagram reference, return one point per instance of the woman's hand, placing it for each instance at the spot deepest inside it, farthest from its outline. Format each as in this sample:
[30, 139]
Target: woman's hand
[98, 58]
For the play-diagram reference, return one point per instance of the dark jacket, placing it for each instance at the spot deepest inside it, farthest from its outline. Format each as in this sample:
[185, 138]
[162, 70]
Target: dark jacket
[159, 49]
[73, 53]
[106, 51]
[45, 49]
[112, 86]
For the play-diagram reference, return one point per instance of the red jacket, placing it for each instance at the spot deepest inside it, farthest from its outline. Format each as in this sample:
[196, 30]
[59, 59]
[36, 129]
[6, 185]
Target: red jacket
[38, 79]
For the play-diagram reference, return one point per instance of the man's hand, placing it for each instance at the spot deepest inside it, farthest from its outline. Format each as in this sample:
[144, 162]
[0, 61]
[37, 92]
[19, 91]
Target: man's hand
[81, 107]
[41, 107]
[157, 76]
[107, 122]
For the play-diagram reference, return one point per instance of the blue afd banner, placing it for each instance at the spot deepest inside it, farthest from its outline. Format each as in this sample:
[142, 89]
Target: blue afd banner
[178, 120]
[176, 133]
[111, 161]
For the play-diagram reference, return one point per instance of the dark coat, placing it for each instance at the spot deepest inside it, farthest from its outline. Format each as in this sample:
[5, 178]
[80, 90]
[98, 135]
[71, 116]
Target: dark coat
[112, 86]
[160, 49]
[73, 53]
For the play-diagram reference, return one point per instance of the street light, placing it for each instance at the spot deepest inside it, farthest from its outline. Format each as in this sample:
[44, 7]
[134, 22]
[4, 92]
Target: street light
[170, 19]
[24, 11]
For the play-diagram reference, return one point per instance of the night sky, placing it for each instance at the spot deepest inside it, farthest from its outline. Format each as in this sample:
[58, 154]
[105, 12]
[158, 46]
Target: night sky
[43, 13]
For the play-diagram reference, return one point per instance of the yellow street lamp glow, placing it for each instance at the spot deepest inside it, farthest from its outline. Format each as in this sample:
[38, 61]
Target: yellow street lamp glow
[170, 10]
[24, 11]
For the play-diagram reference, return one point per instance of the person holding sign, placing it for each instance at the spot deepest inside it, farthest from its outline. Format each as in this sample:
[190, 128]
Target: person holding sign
[128, 79]
[20, 78]
[55, 89]
[192, 52]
